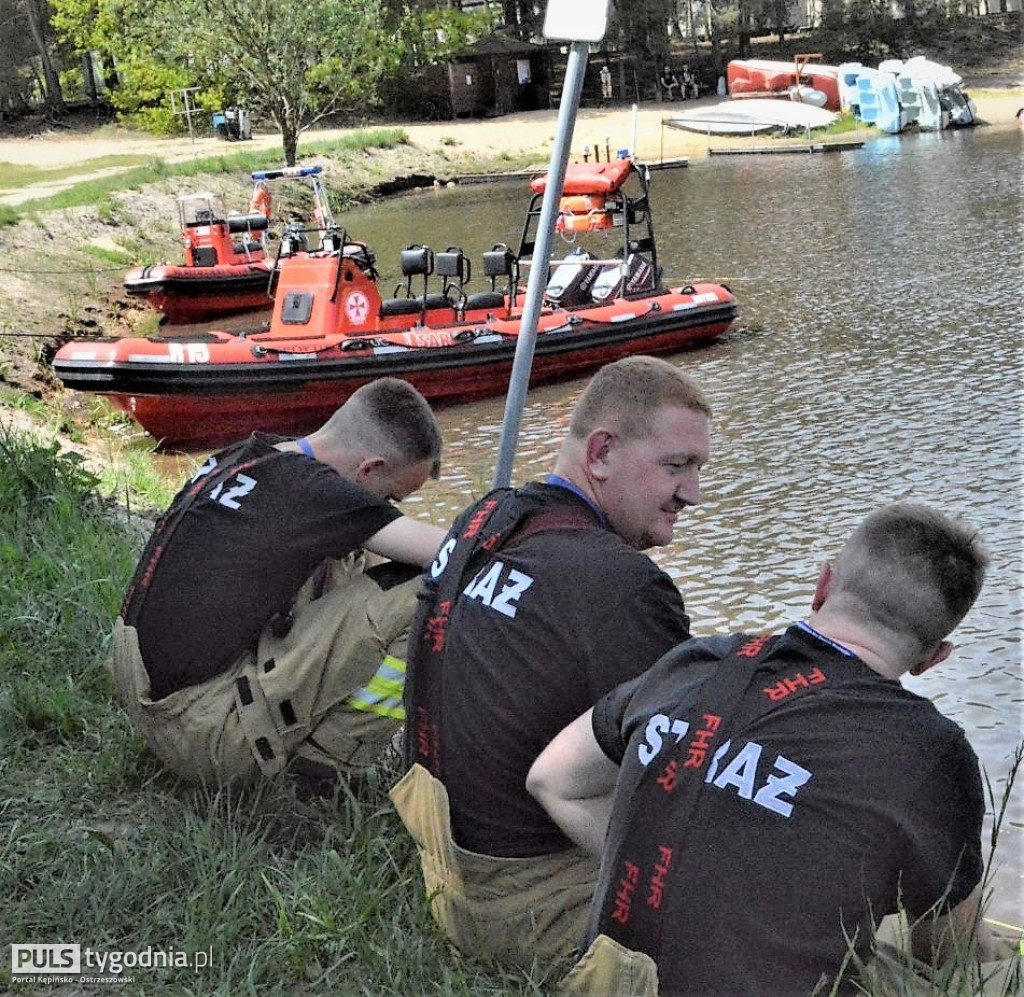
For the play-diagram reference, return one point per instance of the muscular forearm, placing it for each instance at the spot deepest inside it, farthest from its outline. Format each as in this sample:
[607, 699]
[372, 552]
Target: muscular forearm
[583, 821]
[407, 540]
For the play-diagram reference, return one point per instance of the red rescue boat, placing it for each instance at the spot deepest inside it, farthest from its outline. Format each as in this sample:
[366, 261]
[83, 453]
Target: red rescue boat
[331, 330]
[228, 267]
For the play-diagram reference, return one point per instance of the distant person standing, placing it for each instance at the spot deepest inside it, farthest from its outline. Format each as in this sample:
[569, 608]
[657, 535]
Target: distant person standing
[606, 82]
[688, 88]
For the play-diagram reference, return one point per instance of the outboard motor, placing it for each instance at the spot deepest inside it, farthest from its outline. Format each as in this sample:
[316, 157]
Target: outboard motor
[613, 283]
[571, 282]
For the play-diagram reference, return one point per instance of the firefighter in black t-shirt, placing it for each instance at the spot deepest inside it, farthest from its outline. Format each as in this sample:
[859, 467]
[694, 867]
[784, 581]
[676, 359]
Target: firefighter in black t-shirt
[760, 803]
[541, 600]
[257, 632]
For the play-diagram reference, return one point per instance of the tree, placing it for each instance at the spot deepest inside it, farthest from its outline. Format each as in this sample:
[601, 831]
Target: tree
[37, 16]
[295, 61]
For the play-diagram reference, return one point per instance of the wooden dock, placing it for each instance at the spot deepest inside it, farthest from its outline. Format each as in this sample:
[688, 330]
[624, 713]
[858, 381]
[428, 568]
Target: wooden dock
[765, 150]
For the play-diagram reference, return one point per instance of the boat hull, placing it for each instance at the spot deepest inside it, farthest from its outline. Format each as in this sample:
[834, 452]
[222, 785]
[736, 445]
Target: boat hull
[766, 78]
[180, 394]
[186, 294]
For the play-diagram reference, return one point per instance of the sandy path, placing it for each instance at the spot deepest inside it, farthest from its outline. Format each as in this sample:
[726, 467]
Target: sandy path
[524, 132]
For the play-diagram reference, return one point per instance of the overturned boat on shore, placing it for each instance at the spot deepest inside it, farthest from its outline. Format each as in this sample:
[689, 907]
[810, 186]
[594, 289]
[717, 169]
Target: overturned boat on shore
[331, 330]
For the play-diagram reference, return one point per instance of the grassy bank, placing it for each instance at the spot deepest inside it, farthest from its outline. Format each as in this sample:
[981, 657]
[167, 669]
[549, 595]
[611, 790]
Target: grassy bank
[99, 846]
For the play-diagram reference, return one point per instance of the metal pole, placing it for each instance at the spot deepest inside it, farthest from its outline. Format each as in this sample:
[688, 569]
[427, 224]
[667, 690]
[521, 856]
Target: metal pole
[520, 379]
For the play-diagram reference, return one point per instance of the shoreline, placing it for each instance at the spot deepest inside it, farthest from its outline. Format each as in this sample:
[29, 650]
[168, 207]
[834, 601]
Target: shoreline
[522, 133]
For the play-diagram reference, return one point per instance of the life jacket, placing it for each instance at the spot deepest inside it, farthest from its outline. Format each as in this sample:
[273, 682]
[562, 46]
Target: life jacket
[261, 201]
[476, 534]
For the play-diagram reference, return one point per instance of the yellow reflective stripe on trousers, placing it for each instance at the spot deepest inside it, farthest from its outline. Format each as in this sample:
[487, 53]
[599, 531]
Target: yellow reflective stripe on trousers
[383, 693]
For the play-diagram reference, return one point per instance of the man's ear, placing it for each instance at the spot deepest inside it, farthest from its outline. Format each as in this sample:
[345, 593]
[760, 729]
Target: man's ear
[600, 445]
[367, 467]
[824, 586]
[940, 653]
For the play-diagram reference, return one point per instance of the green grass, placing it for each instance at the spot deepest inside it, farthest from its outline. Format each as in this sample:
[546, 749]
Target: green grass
[117, 257]
[100, 846]
[97, 190]
[14, 176]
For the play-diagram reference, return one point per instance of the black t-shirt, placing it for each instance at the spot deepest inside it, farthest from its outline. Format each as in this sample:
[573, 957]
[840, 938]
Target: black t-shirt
[551, 622]
[232, 551]
[826, 796]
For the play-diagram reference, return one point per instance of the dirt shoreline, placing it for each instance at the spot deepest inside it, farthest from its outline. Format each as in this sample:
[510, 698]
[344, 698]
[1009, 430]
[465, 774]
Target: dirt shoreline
[638, 127]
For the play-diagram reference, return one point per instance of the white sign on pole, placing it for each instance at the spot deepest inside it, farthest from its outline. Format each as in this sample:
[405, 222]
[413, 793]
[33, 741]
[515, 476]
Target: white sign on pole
[576, 20]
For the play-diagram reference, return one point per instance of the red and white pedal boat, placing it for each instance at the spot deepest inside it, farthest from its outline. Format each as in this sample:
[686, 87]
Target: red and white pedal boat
[331, 331]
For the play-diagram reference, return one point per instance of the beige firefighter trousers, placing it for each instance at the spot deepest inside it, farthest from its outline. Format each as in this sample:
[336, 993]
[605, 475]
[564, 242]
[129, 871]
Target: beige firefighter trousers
[329, 691]
[607, 969]
[510, 911]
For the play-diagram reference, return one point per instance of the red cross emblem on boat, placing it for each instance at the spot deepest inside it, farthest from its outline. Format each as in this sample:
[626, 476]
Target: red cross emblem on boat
[357, 307]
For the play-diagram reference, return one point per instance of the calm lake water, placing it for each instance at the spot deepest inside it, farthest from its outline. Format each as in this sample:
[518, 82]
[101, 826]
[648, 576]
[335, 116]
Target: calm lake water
[877, 358]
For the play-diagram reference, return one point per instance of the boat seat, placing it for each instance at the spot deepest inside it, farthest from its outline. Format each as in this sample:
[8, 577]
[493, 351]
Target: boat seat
[417, 261]
[391, 307]
[498, 262]
[454, 270]
[253, 222]
[484, 300]
[432, 301]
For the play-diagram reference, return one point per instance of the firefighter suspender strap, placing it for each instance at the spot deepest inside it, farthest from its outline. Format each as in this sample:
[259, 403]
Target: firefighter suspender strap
[474, 537]
[207, 480]
[668, 794]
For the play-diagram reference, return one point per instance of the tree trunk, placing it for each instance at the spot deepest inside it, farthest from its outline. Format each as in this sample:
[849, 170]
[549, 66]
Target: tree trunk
[89, 74]
[289, 139]
[38, 21]
[743, 30]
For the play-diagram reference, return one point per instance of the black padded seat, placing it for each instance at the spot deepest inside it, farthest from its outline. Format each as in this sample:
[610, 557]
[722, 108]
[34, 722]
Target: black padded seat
[484, 299]
[399, 306]
[433, 301]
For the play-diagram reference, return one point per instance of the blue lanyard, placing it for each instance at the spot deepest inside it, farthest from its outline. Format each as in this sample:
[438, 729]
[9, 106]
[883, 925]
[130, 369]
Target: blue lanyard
[844, 651]
[305, 447]
[559, 482]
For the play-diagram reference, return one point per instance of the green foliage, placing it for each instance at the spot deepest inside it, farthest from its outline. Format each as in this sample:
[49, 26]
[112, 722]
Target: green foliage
[293, 62]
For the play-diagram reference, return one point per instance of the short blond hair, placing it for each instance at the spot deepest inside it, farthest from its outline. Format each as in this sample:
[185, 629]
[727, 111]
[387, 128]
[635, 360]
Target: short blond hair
[912, 570]
[390, 417]
[626, 394]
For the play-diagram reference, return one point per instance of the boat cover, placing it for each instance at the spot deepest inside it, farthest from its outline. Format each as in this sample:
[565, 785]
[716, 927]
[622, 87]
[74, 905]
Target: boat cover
[589, 178]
